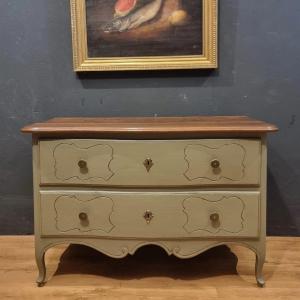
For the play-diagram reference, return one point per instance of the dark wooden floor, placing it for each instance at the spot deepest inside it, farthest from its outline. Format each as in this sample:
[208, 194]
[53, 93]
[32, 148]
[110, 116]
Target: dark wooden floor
[78, 272]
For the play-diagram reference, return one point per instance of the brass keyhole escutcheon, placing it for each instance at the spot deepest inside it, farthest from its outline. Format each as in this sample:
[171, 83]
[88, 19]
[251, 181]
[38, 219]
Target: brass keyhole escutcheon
[148, 163]
[215, 220]
[148, 216]
[214, 217]
[215, 164]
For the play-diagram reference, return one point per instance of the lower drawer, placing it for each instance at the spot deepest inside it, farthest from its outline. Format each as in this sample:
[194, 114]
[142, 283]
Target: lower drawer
[150, 214]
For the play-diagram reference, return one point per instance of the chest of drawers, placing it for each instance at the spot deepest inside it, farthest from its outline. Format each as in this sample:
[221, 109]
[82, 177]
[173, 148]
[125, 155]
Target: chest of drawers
[186, 184]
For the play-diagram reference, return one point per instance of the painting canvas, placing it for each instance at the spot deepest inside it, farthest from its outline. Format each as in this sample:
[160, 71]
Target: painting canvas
[144, 34]
[144, 28]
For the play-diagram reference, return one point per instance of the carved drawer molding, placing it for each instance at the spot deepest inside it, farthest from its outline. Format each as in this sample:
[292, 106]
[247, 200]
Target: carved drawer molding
[72, 214]
[83, 163]
[229, 162]
[225, 214]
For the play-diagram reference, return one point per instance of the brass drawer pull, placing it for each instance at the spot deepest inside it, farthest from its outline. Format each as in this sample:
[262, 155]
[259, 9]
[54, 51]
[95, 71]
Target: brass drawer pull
[83, 216]
[82, 164]
[215, 164]
[148, 163]
[148, 216]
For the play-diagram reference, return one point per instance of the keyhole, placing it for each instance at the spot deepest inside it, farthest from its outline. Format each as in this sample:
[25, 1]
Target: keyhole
[148, 163]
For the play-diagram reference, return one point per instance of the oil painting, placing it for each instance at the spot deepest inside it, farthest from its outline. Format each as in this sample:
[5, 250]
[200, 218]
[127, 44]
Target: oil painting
[144, 34]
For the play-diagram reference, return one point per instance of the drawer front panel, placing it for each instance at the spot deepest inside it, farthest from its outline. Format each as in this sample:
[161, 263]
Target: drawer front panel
[151, 163]
[150, 215]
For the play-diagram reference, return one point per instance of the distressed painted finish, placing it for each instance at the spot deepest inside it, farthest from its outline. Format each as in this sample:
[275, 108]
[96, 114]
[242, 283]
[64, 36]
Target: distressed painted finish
[179, 204]
[175, 162]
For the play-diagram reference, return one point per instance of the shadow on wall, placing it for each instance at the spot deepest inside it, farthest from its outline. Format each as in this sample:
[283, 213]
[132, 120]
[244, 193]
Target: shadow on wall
[279, 218]
[224, 76]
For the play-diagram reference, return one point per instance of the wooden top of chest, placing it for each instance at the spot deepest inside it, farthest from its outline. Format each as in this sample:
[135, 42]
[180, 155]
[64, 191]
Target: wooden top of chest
[151, 127]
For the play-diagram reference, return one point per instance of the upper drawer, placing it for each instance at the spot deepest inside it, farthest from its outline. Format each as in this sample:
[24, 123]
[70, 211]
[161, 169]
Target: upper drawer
[151, 163]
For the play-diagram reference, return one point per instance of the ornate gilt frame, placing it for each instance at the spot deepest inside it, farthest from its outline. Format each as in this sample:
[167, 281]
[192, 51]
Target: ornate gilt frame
[83, 63]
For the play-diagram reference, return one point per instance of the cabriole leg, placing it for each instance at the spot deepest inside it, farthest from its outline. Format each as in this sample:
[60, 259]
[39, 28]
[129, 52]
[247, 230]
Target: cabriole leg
[260, 260]
[40, 261]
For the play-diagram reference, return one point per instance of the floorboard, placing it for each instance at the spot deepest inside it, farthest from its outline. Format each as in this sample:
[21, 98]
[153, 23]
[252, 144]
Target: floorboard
[79, 272]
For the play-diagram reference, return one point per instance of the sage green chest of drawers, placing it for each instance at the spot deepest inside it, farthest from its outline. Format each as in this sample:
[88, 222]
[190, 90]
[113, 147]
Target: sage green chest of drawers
[186, 184]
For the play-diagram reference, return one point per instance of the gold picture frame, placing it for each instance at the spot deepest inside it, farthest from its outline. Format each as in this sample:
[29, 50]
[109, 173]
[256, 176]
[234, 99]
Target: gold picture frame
[83, 62]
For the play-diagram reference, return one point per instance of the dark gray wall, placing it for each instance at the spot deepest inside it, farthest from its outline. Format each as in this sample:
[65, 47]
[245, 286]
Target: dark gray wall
[259, 76]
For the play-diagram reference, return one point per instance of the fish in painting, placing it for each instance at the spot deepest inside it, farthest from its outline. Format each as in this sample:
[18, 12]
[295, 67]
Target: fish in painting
[130, 14]
[124, 7]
